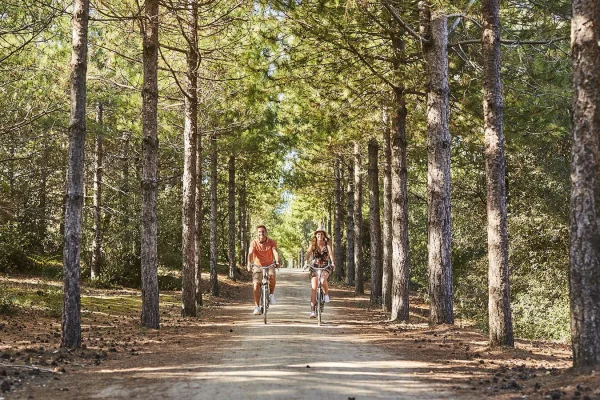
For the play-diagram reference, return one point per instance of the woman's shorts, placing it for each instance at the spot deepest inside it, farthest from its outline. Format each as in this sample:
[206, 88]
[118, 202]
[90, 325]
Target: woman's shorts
[324, 274]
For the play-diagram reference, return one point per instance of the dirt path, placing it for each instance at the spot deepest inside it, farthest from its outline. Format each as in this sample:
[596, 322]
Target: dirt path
[227, 353]
[289, 358]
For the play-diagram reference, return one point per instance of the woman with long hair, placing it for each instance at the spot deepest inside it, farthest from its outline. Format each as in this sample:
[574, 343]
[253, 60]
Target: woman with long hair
[319, 253]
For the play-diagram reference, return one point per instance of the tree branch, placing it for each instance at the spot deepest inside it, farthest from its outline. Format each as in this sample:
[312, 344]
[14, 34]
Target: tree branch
[396, 17]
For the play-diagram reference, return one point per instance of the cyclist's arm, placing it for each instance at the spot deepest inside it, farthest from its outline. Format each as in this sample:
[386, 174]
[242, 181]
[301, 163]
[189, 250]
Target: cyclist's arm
[276, 255]
[308, 253]
[331, 256]
[250, 255]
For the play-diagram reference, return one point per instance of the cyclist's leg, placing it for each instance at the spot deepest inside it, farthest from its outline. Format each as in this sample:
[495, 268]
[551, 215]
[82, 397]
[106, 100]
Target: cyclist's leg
[256, 293]
[272, 280]
[324, 277]
[313, 294]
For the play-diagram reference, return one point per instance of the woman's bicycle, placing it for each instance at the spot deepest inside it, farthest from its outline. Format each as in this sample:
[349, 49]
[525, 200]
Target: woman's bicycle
[264, 290]
[320, 301]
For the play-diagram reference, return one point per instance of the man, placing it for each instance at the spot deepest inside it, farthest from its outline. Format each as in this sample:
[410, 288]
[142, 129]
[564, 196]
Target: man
[262, 252]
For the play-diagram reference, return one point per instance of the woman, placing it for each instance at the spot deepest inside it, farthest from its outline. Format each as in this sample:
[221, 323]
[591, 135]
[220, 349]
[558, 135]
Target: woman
[319, 251]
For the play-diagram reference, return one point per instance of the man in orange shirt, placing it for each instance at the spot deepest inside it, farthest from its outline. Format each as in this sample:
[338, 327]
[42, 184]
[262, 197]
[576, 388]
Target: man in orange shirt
[262, 252]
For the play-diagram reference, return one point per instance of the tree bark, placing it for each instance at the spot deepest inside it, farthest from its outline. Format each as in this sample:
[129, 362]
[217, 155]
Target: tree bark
[337, 234]
[150, 303]
[190, 130]
[214, 282]
[375, 223]
[386, 284]
[199, 219]
[400, 258]
[350, 226]
[123, 203]
[243, 224]
[97, 240]
[439, 230]
[359, 286]
[500, 320]
[231, 215]
[71, 316]
[584, 254]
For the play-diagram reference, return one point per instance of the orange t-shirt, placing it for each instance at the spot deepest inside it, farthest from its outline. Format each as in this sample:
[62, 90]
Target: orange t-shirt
[263, 252]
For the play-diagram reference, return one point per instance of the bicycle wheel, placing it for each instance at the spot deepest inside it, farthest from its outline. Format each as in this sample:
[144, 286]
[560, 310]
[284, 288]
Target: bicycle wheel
[319, 305]
[265, 302]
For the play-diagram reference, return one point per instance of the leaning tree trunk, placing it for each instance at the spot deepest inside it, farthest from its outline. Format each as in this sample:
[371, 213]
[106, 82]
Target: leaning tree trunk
[500, 320]
[231, 215]
[374, 223]
[439, 230]
[71, 317]
[337, 234]
[214, 282]
[199, 219]
[386, 284]
[97, 240]
[359, 286]
[150, 314]
[350, 226]
[190, 136]
[585, 191]
[400, 259]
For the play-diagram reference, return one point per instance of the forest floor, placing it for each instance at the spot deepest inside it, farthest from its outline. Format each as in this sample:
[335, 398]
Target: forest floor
[229, 353]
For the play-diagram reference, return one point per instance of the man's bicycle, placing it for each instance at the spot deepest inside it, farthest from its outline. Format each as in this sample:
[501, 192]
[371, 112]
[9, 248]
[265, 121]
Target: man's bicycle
[265, 290]
[320, 301]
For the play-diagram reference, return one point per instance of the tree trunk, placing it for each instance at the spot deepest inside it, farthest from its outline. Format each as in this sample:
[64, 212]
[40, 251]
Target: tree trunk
[240, 226]
[123, 203]
[358, 200]
[214, 283]
[71, 316]
[150, 304]
[585, 190]
[439, 230]
[190, 131]
[97, 240]
[500, 320]
[350, 226]
[42, 228]
[374, 223]
[231, 215]
[400, 259]
[199, 219]
[337, 234]
[386, 284]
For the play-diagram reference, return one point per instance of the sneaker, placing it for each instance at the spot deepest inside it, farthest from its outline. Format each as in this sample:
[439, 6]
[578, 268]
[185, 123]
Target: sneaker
[257, 311]
[326, 298]
[272, 298]
[312, 315]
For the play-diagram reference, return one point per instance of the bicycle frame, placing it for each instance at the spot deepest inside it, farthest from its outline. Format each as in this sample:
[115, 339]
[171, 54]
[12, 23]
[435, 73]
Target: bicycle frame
[320, 302]
[265, 290]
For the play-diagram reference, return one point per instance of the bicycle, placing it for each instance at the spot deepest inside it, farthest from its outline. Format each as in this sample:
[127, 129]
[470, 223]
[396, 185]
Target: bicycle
[320, 301]
[264, 290]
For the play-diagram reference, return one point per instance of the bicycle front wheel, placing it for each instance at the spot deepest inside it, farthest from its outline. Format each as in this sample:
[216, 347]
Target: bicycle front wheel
[265, 302]
[319, 305]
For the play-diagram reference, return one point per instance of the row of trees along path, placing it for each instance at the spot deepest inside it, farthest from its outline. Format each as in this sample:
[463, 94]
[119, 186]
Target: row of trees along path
[390, 261]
